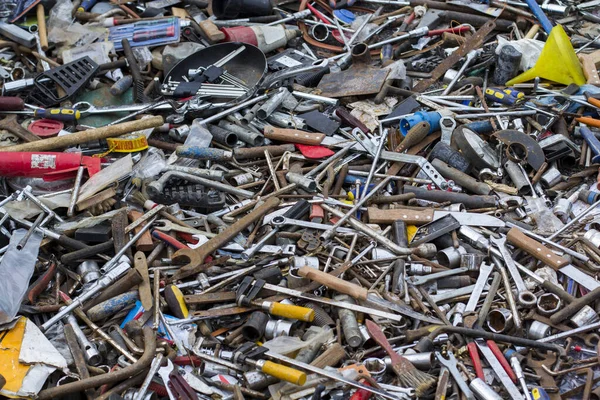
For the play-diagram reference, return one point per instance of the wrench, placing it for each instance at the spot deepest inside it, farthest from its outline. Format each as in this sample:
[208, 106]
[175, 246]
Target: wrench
[484, 273]
[167, 226]
[450, 294]
[511, 388]
[420, 280]
[287, 249]
[281, 221]
[447, 125]
[450, 363]
[525, 297]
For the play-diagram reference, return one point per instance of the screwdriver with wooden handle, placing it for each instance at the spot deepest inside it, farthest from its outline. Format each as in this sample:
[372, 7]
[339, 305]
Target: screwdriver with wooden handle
[548, 257]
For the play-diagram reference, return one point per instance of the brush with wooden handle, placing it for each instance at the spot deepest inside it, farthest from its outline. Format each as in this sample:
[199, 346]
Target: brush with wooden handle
[408, 375]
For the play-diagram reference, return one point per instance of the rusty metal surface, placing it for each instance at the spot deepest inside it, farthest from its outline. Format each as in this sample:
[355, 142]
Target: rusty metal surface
[355, 81]
[475, 42]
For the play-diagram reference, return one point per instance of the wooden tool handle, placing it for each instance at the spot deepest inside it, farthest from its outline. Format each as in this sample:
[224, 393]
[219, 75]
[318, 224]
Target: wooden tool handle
[411, 217]
[334, 283]
[535, 248]
[588, 64]
[293, 136]
[73, 139]
[211, 31]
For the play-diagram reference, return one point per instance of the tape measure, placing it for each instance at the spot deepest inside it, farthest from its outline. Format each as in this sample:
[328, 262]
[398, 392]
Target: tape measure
[127, 144]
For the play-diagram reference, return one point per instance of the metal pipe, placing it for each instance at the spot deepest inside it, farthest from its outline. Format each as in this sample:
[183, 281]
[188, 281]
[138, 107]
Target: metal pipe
[499, 114]
[317, 98]
[75, 192]
[382, 140]
[224, 113]
[102, 283]
[114, 376]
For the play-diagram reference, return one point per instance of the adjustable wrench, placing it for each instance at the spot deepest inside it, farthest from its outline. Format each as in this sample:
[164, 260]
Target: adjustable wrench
[524, 296]
[422, 279]
[484, 273]
[447, 125]
[450, 363]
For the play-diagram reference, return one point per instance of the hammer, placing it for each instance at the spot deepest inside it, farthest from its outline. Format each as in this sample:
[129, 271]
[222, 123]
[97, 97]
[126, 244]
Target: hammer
[195, 257]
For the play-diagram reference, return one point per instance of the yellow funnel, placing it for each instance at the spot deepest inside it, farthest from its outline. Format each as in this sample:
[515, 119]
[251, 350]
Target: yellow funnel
[557, 63]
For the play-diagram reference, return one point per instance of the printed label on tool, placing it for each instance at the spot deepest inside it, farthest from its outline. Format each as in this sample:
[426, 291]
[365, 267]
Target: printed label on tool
[288, 61]
[43, 161]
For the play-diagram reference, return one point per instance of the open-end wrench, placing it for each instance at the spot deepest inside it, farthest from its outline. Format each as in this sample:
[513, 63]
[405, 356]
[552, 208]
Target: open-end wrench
[525, 297]
[280, 221]
[447, 125]
[168, 226]
[422, 279]
[510, 387]
[484, 273]
[450, 294]
[450, 363]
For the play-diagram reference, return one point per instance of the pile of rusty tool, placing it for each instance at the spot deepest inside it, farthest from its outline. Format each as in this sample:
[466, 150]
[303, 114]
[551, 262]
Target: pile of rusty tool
[300, 200]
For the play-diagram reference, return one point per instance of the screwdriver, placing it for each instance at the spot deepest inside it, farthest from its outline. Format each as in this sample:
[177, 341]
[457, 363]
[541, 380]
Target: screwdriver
[279, 371]
[58, 114]
[498, 96]
[297, 211]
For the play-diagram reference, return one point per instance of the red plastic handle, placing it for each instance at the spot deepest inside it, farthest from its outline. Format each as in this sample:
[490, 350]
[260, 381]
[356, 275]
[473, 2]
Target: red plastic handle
[474, 354]
[503, 361]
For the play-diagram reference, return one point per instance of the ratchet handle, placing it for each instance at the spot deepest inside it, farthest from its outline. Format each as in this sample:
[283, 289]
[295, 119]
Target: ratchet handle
[298, 210]
[334, 283]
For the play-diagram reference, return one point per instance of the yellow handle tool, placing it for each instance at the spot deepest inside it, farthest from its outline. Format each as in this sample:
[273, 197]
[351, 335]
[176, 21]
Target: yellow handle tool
[282, 372]
[289, 311]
